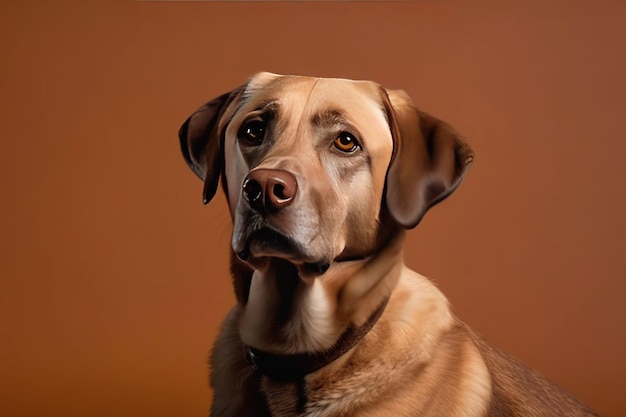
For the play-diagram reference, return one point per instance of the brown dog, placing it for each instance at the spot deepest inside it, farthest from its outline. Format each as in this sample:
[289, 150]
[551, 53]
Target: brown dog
[322, 178]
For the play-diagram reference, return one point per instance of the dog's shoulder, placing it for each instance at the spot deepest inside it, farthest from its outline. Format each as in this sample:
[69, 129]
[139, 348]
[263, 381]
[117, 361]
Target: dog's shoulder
[518, 390]
[437, 358]
[462, 363]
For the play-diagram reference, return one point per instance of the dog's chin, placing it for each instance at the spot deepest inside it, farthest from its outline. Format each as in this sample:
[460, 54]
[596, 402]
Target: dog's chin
[266, 244]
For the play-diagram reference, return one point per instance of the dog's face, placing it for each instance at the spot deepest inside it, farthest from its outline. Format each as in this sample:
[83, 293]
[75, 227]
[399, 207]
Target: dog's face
[311, 166]
[305, 160]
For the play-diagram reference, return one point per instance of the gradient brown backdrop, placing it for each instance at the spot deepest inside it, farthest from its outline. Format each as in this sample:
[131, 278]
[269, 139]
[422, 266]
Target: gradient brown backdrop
[113, 275]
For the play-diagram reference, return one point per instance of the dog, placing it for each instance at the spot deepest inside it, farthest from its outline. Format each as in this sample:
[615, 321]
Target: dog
[323, 177]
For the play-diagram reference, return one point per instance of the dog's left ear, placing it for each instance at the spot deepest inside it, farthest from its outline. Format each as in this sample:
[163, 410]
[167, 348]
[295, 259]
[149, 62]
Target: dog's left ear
[200, 141]
[429, 160]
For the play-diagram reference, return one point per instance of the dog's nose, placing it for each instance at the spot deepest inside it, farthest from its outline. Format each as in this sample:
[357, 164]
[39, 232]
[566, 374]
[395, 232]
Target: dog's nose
[269, 189]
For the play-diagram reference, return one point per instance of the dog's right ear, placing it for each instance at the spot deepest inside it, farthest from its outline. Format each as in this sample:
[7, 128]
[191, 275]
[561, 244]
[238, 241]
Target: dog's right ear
[200, 141]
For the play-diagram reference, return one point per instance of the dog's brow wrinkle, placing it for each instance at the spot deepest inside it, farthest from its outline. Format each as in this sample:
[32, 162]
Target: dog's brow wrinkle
[269, 108]
[330, 117]
[268, 105]
[245, 96]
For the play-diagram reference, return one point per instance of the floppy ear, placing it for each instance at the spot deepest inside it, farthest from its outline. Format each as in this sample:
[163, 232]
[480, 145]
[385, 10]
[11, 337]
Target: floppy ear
[200, 141]
[429, 161]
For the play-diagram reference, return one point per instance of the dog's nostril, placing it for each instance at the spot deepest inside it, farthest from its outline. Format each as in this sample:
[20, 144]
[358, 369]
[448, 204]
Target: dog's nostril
[252, 191]
[279, 191]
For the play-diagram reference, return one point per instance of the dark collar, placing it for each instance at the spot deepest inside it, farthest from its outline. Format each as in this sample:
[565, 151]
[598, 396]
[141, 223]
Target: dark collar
[292, 368]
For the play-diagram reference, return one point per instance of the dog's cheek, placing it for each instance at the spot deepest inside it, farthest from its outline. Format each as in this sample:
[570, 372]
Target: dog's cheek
[325, 212]
[361, 222]
[240, 220]
[344, 188]
[361, 201]
[235, 171]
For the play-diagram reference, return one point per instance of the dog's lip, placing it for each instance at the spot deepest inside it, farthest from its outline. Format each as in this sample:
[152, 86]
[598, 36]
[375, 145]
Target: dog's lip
[268, 242]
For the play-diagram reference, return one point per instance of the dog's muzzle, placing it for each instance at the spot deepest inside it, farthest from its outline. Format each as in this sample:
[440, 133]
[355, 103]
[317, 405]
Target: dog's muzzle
[268, 192]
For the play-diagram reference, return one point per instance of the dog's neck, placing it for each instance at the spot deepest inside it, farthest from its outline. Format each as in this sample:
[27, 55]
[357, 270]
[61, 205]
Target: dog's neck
[285, 314]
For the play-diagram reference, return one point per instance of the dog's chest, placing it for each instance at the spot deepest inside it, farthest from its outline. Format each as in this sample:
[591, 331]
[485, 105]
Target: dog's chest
[303, 400]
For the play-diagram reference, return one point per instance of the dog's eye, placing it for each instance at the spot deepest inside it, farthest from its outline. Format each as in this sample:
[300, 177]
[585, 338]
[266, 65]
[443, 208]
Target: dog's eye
[253, 132]
[345, 142]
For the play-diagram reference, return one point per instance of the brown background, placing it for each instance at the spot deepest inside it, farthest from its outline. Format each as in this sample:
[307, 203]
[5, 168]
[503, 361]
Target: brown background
[114, 275]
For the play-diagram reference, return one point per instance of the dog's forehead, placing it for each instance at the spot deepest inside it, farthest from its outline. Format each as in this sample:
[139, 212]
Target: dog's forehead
[299, 97]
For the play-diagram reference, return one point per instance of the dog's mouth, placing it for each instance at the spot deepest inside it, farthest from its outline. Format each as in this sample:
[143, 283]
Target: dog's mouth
[266, 243]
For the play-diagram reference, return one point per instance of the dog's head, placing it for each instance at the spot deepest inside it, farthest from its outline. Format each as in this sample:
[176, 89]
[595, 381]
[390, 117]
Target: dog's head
[316, 170]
